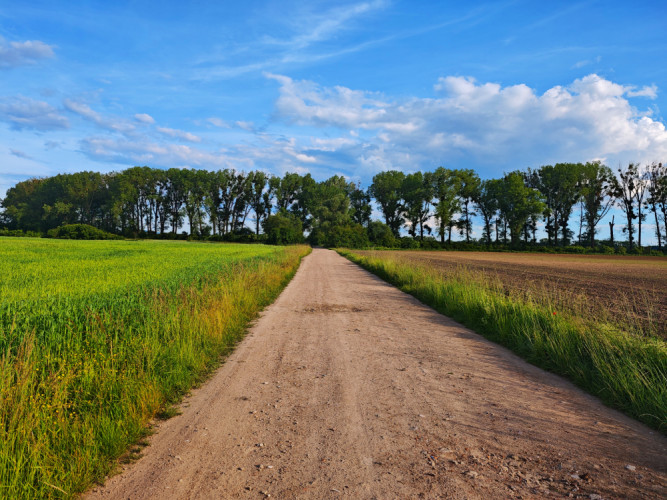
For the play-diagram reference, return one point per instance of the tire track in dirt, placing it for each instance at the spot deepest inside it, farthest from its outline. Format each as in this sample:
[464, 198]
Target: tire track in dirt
[348, 388]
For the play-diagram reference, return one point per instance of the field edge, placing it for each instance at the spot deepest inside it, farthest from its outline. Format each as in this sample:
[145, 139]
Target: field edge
[624, 372]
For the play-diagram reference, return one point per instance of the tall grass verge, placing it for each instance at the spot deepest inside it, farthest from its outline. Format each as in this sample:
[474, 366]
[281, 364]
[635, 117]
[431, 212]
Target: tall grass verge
[81, 374]
[626, 371]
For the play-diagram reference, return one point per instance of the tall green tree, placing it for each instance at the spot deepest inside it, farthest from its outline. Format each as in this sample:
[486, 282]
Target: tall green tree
[446, 186]
[360, 204]
[625, 192]
[417, 193]
[517, 202]
[386, 189]
[657, 197]
[486, 201]
[597, 192]
[258, 185]
[468, 187]
[568, 178]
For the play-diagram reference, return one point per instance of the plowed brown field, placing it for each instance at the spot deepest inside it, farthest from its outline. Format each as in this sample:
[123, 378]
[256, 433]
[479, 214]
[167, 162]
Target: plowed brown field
[630, 289]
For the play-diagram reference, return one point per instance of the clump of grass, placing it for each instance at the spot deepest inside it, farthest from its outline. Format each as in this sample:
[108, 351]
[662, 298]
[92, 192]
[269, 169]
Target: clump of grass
[85, 367]
[625, 370]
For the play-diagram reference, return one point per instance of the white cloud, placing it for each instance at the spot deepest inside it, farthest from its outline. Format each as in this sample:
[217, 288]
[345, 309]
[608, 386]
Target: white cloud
[217, 122]
[142, 152]
[483, 122]
[650, 91]
[86, 112]
[248, 126]
[20, 154]
[323, 25]
[144, 118]
[179, 134]
[25, 113]
[14, 54]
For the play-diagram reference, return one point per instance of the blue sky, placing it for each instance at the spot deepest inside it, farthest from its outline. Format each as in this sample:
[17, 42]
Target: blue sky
[348, 88]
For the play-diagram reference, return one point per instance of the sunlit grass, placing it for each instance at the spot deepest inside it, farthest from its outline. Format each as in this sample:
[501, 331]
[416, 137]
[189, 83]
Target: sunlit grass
[97, 337]
[626, 370]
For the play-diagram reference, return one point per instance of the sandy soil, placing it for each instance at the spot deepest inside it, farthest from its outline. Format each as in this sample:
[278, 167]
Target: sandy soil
[632, 288]
[348, 388]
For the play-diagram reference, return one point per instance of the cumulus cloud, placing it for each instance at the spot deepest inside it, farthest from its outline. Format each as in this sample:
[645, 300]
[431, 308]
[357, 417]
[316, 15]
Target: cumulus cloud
[14, 54]
[144, 118]
[25, 113]
[591, 117]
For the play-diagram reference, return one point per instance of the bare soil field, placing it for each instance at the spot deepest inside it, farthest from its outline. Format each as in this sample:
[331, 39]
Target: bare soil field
[347, 387]
[632, 289]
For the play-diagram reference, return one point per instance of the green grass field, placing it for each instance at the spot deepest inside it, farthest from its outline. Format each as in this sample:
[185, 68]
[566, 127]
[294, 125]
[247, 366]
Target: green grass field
[97, 337]
[626, 370]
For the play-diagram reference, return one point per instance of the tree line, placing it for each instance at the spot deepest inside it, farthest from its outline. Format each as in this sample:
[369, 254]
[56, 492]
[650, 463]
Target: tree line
[151, 202]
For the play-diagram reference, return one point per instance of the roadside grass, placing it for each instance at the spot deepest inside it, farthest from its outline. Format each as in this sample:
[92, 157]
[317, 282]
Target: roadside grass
[625, 370]
[109, 335]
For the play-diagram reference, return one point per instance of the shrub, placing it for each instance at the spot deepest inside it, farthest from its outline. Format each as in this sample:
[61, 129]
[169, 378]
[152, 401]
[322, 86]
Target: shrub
[379, 234]
[80, 232]
[283, 229]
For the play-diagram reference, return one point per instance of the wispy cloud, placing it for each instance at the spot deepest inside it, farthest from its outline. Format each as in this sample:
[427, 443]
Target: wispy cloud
[179, 134]
[20, 154]
[109, 123]
[650, 91]
[217, 122]
[321, 26]
[309, 29]
[26, 113]
[144, 118]
[14, 54]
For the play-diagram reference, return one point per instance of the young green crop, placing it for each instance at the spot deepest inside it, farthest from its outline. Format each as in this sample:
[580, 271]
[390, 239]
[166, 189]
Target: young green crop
[97, 336]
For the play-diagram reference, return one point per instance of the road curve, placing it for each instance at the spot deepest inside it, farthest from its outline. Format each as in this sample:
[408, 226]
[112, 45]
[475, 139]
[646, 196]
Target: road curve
[346, 387]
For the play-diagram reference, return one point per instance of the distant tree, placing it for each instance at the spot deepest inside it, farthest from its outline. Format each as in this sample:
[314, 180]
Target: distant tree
[417, 194]
[258, 184]
[446, 186]
[657, 197]
[625, 192]
[283, 228]
[517, 202]
[360, 204]
[386, 189]
[568, 179]
[22, 209]
[597, 190]
[381, 235]
[286, 190]
[307, 198]
[642, 184]
[174, 198]
[486, 201]
[468, 187]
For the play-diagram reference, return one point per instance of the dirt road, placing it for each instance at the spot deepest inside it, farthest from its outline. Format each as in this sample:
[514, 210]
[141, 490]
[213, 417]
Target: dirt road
[348, 388]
